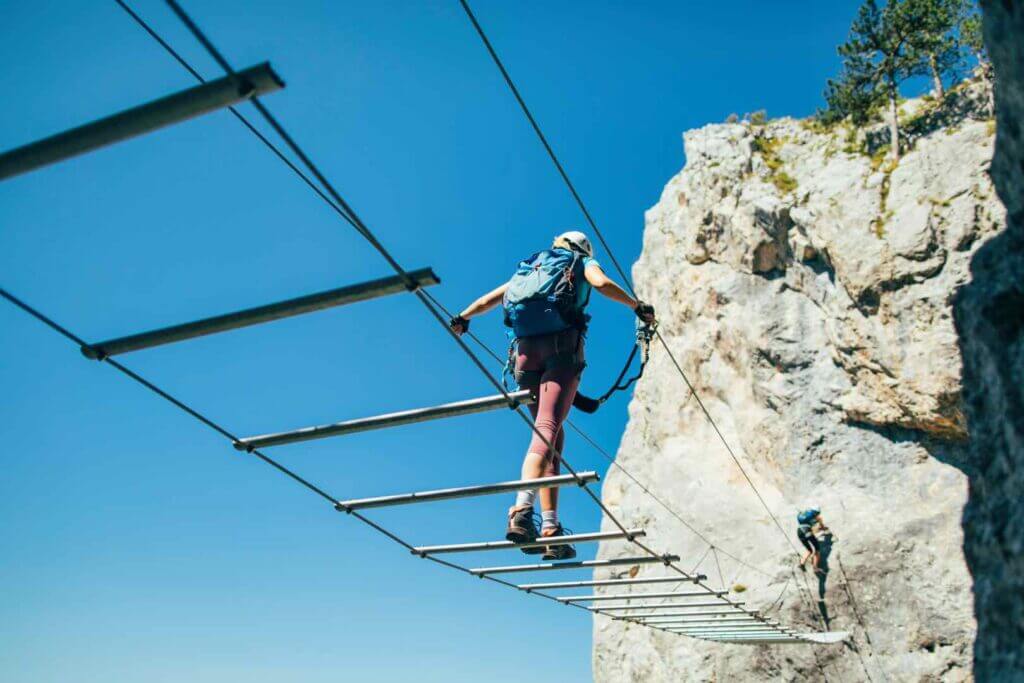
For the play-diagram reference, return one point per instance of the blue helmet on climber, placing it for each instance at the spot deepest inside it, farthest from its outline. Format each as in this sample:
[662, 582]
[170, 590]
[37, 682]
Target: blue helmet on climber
[544, 304]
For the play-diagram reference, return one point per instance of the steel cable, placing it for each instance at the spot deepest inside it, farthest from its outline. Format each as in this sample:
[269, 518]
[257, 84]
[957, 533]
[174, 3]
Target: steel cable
[281, 156]
[369, 236]
[351, 217]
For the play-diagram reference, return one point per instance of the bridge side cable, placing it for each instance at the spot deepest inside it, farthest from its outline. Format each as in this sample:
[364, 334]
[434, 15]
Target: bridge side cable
[349, 215]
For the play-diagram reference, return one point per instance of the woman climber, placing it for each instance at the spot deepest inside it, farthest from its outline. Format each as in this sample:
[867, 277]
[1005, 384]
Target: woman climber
[544, 305]
[810, 524]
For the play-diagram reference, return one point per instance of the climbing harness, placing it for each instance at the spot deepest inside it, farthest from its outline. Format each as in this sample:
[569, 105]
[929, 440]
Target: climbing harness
[529, 379]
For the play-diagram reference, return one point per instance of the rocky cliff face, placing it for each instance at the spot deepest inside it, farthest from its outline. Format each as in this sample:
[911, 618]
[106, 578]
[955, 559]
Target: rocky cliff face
[990, 318]
[805, 287]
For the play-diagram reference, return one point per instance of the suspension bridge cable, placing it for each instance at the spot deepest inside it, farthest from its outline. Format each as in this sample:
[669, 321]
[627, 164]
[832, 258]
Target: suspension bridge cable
[365, 231]
[320, 193]
[358, 224]
[604, 242]
[344, 210]
[281, 156]
[853, 600]
[725, 443]
[79, 342]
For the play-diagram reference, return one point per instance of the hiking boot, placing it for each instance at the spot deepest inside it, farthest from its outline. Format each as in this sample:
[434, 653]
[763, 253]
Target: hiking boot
[534, 525]
[558, 552]
[522, 528]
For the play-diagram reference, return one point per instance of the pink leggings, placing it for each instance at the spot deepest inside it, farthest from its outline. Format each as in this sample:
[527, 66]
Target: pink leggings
[551, 366]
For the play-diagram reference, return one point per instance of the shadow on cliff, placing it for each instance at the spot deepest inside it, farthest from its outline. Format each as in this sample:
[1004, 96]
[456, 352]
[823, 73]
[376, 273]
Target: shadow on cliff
[947, 451]
[960, 103]
[989, 317]
[824, 552]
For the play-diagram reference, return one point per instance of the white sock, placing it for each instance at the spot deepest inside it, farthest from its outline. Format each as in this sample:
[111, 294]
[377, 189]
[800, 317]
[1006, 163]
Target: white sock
[524, 499]
[549, 519]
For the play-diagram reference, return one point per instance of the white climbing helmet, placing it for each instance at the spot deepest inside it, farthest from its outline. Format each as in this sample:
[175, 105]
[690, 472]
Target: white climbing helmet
[578, 240]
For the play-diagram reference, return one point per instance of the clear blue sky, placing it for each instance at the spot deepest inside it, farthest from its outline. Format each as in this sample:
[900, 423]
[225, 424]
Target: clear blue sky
[137, 545]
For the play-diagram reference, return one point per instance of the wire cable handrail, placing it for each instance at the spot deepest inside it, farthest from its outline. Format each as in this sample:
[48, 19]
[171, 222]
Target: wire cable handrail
[323, 196]
[347, 213]
[372, 239]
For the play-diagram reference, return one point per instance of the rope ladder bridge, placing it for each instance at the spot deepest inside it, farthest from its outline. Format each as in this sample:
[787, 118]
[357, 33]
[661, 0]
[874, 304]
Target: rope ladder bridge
[701, 612]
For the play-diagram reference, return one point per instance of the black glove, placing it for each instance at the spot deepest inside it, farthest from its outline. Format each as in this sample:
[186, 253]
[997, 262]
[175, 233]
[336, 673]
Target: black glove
[644, 311]
[459, 324]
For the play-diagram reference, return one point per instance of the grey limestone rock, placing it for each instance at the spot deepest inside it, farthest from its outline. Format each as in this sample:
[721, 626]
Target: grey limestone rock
[806, 289]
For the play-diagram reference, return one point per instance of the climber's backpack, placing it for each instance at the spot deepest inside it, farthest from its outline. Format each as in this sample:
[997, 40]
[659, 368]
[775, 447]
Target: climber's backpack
[807, 517]
[543, 294]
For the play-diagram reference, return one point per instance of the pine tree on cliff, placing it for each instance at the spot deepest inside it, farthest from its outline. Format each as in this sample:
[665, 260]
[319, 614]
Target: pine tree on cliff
[934, 39]
[877, 58]
[852, 96]
[971, 38]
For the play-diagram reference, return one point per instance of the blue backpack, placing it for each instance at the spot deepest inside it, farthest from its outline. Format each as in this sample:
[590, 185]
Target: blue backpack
[807, 517]
[543, 295]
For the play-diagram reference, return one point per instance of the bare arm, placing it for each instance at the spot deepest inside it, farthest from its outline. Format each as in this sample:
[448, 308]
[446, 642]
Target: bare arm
[460, 323]
[485, 303]
[606, 286]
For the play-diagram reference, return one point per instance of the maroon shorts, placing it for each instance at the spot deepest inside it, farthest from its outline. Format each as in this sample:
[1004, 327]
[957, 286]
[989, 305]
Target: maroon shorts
[550, 365]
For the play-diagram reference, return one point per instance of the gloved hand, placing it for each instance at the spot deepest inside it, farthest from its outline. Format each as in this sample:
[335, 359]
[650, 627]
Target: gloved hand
[645, 312]
[459, 325]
